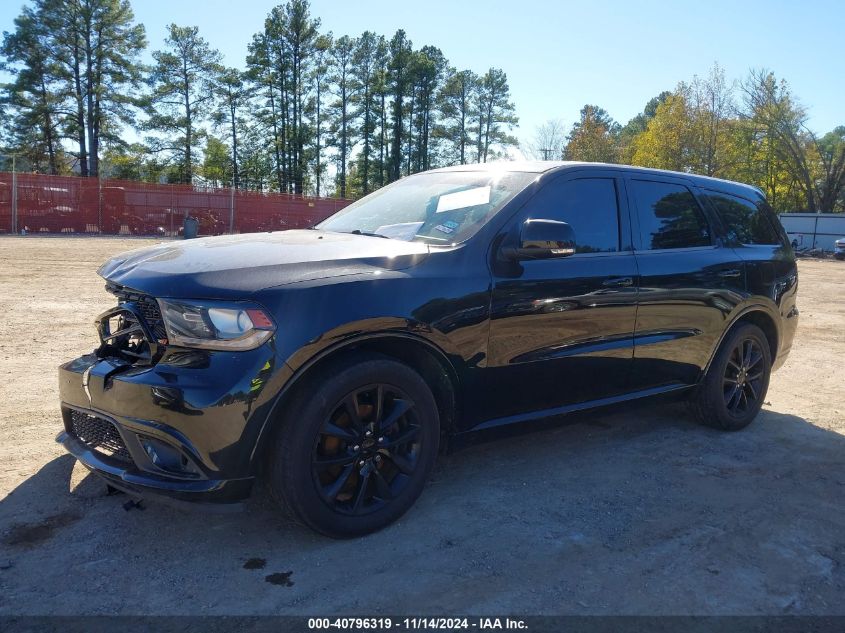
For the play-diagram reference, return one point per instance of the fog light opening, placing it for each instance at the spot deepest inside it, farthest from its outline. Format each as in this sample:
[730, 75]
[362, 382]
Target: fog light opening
[166, 457]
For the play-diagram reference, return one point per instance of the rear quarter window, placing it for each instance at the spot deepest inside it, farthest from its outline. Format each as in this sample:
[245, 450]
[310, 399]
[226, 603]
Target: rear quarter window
[745, 221]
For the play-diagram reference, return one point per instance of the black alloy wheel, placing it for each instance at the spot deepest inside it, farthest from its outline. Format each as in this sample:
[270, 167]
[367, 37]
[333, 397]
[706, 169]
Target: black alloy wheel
[354, 445]
[743, 379]
[367, 449]
[734, 388]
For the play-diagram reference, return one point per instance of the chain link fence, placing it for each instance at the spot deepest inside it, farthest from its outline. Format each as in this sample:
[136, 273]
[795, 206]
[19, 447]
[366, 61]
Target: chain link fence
[41, 204]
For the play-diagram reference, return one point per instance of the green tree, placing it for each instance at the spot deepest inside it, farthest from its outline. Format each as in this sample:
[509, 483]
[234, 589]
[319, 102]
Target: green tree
[400, 78]
[814, 166]
[129, 162]
[183, 82]
[345, 92]
[830, 167]
[381, 94]
[712, 106]
[773, 114]
[496, 113]
[594, 137]
[32, 100]
[365, 68]
[282, 59]
[257, 162]
[428, 67]
[322, 46]
[269, 115]
[637, 126]
[294, 33]
[232, 95]
[666, 142]
[457, 98]
[95, 47]
[217, 165]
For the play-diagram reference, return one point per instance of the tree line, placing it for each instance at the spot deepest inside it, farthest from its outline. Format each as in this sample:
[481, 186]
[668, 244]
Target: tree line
[373, 107]
[753, 131]
[314, 113]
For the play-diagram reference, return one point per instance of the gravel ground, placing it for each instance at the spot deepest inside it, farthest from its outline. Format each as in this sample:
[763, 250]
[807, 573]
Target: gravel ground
[634, 512]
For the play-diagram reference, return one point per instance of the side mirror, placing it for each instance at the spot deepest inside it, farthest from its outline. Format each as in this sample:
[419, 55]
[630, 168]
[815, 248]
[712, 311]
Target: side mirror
[542, 239]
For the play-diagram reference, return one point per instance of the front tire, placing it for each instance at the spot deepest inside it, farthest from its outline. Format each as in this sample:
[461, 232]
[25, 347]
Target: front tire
[355, 446]
[734, 388]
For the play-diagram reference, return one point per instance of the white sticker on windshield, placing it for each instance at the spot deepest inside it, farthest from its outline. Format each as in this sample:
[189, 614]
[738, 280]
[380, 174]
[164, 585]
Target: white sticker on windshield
[462, 199]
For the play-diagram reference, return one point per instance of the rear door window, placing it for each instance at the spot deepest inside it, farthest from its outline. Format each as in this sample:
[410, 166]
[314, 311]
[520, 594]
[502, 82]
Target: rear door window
[669, 216]
[745, 221]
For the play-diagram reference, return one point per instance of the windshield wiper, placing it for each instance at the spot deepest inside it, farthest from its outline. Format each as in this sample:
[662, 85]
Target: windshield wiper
[368, 233]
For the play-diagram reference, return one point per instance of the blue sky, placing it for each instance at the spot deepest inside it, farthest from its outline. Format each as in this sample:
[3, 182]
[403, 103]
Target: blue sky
[561, 55]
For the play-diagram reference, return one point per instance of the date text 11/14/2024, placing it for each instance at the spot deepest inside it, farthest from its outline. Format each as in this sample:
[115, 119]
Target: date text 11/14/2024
[421, 623]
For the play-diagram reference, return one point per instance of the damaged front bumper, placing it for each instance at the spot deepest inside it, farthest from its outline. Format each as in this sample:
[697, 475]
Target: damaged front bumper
[184, 429]
[221, 493]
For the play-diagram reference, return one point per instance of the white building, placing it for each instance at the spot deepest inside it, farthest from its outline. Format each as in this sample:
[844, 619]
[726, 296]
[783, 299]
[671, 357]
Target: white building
[814, 230]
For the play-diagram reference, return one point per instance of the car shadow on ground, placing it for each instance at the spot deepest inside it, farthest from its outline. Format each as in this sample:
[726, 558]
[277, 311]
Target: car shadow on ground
[642, 513]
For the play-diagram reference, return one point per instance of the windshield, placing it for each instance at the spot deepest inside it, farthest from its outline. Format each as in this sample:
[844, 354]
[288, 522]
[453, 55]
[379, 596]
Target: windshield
[435, 207]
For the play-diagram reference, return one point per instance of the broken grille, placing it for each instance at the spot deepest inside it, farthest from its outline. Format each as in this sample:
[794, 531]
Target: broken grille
[134, 330]
[146, 306]
[99, 435]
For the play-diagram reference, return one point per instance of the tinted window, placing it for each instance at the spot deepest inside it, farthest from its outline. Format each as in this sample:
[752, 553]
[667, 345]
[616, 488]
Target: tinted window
[669, 216]
[588, 205]
[744, 220]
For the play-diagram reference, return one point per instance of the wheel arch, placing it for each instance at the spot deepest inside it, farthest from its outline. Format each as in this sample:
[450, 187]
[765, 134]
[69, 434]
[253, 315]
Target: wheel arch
[758, 315]
[424, 357]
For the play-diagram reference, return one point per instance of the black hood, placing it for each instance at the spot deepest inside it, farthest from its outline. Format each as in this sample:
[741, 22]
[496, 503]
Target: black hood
[234, 265]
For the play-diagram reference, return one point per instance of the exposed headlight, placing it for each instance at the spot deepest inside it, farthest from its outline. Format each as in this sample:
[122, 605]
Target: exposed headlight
[216, 325]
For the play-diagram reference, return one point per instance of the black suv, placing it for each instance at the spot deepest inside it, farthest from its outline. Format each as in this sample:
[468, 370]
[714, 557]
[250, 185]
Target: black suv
[333, 361]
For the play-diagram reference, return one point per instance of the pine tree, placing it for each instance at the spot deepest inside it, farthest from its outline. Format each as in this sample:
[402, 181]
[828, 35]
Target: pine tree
[365, 68]
[399, 76]
[183, 82]
[321, 81]
[95, 47]
[429, 65]
[232, 95]
[495, 113]
[262, 74]
[345, 92]
[32, 100]
[456, 101]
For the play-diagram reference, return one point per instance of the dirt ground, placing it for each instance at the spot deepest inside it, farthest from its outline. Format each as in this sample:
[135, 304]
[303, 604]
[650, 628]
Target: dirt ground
[639, 512]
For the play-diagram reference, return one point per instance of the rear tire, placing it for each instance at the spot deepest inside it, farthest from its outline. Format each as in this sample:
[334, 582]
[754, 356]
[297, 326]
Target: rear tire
[735, 386]
[355, 446]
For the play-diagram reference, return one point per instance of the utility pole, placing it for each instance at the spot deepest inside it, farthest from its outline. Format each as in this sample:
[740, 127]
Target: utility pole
[232, 208]
[14, 197]
[100, 199]
[546, 152]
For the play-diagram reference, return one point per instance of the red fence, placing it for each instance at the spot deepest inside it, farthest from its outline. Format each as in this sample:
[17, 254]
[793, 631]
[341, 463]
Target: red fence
[67, 204]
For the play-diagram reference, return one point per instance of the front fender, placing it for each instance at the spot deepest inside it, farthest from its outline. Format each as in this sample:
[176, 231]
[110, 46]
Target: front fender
[449, 316]
[342, 344]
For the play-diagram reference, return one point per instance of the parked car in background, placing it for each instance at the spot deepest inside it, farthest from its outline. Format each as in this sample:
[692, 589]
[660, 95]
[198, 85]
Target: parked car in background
[332, 362]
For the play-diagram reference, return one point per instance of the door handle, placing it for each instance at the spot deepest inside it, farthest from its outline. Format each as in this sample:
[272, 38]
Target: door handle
[733, 272]
[618, 282]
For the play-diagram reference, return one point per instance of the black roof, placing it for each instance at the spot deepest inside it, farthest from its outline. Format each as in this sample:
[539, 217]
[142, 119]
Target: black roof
[547, 166]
